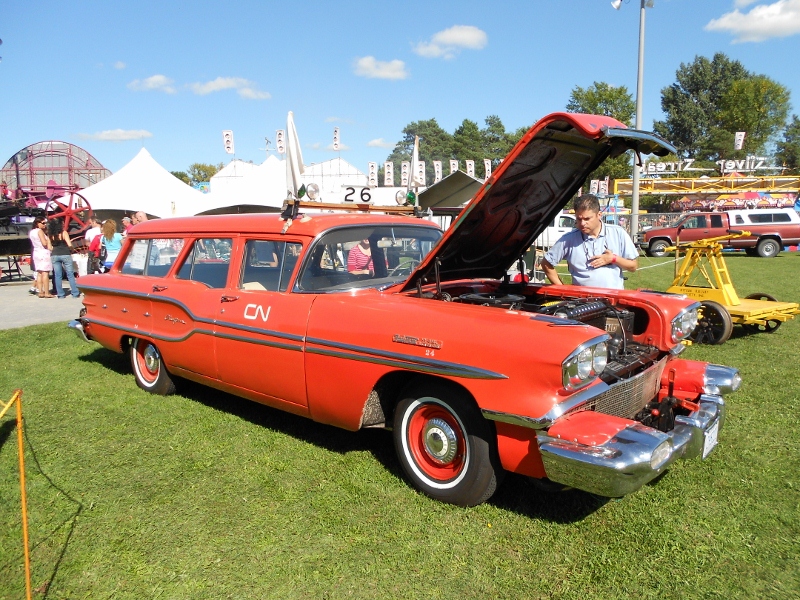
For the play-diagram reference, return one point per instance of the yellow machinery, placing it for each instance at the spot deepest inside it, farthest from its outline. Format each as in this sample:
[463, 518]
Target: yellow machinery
[703, 275]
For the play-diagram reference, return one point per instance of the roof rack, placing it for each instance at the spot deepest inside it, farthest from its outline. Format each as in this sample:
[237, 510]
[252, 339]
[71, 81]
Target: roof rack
[291, 208]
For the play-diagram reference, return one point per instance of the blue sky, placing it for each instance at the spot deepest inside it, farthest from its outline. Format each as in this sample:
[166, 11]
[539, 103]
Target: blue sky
[112, 77]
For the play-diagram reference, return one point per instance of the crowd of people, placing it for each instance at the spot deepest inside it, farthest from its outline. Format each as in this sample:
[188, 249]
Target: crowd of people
[52, 252]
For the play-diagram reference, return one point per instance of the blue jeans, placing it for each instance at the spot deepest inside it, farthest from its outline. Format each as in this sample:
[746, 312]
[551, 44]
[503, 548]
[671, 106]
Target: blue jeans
[63, 263]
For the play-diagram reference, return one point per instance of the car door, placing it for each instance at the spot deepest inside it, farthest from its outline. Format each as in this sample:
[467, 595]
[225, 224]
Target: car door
[185, 306]
[693, 228]
[261, 327]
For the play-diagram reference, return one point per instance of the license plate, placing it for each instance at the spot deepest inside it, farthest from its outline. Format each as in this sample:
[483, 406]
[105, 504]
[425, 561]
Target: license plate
[710, 439]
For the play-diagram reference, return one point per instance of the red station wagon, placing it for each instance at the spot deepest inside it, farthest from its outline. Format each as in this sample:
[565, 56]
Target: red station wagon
[367, 320]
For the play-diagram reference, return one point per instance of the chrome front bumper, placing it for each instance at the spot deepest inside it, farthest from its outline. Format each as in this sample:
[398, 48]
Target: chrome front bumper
[77, 326]
[635, 455]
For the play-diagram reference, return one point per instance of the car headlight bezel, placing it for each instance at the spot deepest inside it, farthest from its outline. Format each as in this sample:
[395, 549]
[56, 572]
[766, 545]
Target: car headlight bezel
[684, 323]
[584, 364]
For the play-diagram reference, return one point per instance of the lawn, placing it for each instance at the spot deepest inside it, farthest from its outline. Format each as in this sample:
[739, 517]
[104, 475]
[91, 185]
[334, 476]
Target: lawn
[204, 495]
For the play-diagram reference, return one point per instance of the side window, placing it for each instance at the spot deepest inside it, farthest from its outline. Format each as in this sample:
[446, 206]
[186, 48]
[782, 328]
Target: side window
[208, 262]
[153, 258]
[268, 265]
[760, 217]
[739, 220]
[566, 222]
[697, 222]
[781, 218]
[716, 220]
[136, 261]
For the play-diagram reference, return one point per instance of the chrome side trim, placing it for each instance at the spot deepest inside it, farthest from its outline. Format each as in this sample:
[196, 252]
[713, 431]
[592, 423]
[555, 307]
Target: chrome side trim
[546, 420]
[392, 359]
[719, 380]
[346, 351]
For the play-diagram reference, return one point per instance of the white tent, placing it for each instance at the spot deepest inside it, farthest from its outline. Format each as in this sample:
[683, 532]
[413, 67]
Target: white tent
[241, 184]
[143, 184]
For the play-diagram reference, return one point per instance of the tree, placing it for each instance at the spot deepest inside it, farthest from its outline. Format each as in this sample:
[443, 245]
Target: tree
[603, 99]
[756, 105]
[788, 149]
[435, 144]
[183, 176]
[201, 172]
[467, 142]
[691, 104]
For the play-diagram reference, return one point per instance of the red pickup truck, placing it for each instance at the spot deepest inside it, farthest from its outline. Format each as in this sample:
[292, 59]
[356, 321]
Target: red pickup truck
[771, 229]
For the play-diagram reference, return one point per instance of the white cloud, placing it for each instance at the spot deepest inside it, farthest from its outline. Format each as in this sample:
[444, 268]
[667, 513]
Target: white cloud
[119, 65]
[116, 135]
[332, 120]
[372, 68]
[156, 82]
[380, 143]
[251, 94]
[342, 147]
[764, 21]
[449, 42]
[245, 88]
[743, 3]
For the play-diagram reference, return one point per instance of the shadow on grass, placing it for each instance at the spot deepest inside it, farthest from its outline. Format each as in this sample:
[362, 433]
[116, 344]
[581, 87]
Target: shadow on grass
[6, 427]
[70, 521]
[517, 493]
[114, 361]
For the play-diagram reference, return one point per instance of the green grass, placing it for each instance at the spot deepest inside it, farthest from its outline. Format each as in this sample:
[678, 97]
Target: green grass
[204, 495]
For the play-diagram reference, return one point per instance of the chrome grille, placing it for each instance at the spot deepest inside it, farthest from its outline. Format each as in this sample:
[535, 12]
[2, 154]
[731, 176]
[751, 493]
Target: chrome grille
[626, 398]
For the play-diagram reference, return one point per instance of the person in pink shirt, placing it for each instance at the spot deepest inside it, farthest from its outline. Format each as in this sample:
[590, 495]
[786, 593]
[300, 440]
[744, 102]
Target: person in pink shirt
[359, 260]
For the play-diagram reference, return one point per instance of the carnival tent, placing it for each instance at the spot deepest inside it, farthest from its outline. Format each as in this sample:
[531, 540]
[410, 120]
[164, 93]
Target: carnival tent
[245, 187]
[143, 184]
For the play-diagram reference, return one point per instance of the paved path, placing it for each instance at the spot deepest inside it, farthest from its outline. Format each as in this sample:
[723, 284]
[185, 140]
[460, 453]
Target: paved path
[18, 308]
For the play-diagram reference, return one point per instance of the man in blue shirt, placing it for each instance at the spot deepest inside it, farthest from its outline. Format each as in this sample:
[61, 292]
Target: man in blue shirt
[596, 252]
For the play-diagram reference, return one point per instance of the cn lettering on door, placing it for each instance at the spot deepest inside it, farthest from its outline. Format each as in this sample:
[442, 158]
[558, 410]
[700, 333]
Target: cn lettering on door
[254, 311]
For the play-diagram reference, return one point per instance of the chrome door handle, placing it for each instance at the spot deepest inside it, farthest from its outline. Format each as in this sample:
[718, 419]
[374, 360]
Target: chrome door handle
[228, 298]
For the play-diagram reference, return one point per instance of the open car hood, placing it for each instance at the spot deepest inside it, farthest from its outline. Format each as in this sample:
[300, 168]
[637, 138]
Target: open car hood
[532, 184]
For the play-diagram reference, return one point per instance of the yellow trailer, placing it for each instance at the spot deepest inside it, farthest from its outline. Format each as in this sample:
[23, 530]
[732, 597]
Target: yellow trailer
[703, 275]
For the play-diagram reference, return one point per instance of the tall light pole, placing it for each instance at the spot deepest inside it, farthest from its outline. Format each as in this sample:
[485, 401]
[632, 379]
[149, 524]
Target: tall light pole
[638, 125]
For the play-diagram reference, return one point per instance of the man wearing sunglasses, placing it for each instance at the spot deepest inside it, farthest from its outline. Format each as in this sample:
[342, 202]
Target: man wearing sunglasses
[597, 253]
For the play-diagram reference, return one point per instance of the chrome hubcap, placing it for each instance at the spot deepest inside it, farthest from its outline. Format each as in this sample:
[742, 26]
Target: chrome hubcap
[441, 442]
[151, 358]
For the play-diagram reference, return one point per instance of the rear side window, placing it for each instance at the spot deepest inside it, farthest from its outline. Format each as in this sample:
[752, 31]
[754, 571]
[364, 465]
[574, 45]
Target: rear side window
[781, 218]
[268, 265]
[153, 257]
[716, 220]
[760, 218]
[208, 262]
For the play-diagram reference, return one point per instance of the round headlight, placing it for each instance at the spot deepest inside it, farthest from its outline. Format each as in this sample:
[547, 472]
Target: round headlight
[689, 321]
[585, 363]
[599, 358]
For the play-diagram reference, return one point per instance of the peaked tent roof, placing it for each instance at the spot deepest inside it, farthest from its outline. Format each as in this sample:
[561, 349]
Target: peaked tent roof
[143, 184]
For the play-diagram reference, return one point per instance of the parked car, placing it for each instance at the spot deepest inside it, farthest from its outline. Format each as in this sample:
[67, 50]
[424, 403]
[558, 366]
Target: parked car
[561, 224]
[771, 229]
[427, 337]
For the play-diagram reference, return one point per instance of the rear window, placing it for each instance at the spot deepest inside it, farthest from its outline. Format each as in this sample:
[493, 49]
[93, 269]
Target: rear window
[153, 257]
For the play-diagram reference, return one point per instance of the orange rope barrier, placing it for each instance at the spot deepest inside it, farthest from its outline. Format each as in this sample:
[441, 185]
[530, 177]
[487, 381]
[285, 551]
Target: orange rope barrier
[17, 400]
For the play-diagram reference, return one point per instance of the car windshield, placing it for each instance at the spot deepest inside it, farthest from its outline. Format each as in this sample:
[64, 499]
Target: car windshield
[362, 257]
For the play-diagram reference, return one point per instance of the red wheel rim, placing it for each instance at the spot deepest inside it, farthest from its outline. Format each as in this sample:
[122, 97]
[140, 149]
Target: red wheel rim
[148, 362]
[437, 442]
